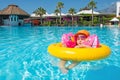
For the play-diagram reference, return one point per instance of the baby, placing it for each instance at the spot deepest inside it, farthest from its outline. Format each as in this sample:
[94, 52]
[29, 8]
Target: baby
[80, 37]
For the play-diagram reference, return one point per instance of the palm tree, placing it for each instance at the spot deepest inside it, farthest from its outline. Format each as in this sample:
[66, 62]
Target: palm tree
[72, 12]
[56, 13]
[40, 11]
[92, 5]
[60, 5]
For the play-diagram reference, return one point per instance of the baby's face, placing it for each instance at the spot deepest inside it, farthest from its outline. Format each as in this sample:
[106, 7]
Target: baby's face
[80, 39]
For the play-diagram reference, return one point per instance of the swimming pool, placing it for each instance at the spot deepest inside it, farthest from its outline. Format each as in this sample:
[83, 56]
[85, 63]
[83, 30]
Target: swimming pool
[24, 56]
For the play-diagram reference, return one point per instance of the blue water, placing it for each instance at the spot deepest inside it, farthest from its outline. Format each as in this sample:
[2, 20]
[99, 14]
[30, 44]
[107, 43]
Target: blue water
[24, 56]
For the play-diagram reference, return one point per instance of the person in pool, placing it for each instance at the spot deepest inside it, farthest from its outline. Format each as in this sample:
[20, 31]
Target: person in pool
[80, 37]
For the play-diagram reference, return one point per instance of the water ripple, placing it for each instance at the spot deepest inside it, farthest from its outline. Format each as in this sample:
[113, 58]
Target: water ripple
[24, 56]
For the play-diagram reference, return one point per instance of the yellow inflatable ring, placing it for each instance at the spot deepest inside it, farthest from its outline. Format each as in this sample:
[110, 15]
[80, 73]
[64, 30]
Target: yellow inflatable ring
[78, 54]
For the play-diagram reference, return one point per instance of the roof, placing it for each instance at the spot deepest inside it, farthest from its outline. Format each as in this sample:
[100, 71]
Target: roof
[49, 15]
[87, 12]
[114, 19]
[13, 9]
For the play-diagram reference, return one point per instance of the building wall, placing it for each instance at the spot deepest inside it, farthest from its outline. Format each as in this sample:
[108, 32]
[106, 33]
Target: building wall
[13, 23]
[13, 20]
[118, 9]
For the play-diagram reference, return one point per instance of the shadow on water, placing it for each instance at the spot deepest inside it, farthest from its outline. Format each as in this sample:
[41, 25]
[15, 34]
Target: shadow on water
[106, 73]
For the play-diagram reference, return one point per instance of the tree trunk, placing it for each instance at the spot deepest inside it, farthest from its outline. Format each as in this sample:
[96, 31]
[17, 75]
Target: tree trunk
[72, 20]
[56, 22]
[41, 19]
[60, 16]
[92, 17]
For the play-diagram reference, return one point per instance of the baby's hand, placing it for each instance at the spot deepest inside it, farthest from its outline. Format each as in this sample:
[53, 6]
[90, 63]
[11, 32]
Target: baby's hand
[63, 45]
[77, 46]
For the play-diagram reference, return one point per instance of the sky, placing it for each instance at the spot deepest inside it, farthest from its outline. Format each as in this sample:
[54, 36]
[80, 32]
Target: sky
[50, 5]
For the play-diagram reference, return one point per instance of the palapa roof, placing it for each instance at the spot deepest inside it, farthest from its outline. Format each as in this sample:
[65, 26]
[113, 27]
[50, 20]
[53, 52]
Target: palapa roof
[13, 9]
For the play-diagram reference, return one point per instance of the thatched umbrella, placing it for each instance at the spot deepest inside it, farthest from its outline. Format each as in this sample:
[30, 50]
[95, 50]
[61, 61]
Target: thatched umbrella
[13, 10]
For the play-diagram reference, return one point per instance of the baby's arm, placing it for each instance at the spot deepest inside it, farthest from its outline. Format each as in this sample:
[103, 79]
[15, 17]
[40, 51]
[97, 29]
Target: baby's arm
[82, 46]
[79, 46]
[63, 45]
[86, 46]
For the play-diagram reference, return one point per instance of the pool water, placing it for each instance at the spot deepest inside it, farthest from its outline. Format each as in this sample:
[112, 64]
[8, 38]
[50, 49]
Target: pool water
[24, 55]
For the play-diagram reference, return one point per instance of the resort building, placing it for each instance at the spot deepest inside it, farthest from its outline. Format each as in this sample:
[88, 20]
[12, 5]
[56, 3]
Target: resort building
[82, 17]
[13, 16]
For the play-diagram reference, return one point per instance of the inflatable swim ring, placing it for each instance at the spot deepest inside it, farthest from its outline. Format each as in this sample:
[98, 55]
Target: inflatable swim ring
[78, 54]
